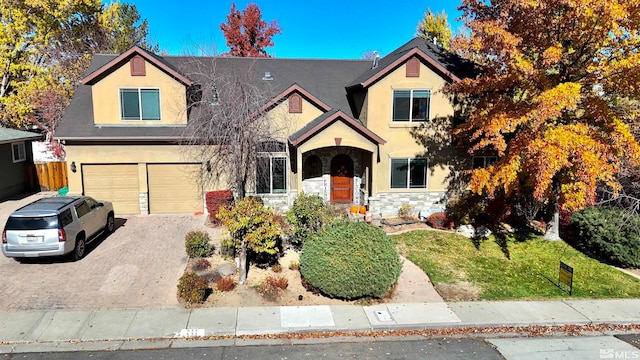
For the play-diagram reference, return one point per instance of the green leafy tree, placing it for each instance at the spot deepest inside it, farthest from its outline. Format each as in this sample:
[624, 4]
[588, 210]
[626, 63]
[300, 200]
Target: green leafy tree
[435, 26]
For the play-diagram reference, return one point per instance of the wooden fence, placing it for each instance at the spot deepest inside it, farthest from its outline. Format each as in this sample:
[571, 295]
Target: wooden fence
[52, 175]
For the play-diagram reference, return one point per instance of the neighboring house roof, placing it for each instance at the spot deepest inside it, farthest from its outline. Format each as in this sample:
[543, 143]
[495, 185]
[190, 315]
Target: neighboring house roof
[447, 64]
[328, 118]
[12, 135]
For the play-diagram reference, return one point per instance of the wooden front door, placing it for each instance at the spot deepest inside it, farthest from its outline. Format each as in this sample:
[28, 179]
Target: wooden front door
[341, 179]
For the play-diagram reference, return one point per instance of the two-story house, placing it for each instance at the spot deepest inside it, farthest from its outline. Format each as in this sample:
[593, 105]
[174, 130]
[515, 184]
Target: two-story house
[349, 139]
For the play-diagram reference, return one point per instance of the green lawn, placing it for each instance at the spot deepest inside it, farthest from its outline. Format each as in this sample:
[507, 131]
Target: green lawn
[529, 272]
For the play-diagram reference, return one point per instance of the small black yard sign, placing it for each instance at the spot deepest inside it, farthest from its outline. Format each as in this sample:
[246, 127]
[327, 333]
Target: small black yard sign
[565, 276]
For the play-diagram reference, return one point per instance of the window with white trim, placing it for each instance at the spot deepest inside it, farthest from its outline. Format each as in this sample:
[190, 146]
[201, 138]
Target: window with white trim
[409, 173]
[271, 168]
[140, 104]
[483, 161]
[411, 105]
[19, 152]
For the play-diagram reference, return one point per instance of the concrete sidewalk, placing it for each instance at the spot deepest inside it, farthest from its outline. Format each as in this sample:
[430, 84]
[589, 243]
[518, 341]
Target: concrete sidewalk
[31, 331]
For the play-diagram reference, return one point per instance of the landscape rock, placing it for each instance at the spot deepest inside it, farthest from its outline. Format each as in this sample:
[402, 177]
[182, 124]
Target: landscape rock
[466, 231]
[226, 269]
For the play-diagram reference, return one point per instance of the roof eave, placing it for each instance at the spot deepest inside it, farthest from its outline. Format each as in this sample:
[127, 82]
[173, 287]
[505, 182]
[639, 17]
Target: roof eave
[94, 76]
[339, 114]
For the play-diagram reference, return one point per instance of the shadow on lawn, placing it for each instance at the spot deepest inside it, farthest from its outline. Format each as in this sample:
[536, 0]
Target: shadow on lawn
[503, 239]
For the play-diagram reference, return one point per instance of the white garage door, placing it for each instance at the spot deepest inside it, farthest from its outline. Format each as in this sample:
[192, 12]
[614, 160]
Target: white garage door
[173, 188]
[115, 183]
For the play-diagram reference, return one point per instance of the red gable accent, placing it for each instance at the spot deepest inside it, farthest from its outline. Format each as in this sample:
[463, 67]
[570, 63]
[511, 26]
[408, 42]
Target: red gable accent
[295, 87]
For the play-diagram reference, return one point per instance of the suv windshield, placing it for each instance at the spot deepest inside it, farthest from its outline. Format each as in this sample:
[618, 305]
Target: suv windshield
[32, 223]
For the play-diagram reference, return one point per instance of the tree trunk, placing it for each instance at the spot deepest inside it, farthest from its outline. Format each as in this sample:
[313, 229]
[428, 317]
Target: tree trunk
[242, 271]
[553, 227]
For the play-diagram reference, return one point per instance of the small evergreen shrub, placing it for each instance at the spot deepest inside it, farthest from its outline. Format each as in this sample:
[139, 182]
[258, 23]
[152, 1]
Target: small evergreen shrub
[440, 220]
[612, 235]
[225, 284]
[350, 260]
[276, 268]
[215, 200]
[197, 244]
[308, 215]
[192, 288]
[294, 266]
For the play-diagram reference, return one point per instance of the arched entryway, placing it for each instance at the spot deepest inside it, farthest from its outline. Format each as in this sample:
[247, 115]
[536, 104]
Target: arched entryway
[342, 179]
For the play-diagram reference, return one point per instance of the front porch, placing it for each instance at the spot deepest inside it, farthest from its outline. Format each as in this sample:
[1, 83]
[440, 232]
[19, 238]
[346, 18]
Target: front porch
[338, 175]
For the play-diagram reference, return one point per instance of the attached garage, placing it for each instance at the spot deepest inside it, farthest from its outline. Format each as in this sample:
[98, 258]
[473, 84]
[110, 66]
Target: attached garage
[173, 188]
[115, 183]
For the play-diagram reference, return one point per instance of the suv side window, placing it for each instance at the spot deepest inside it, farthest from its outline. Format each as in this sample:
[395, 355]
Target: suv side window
[82, 209]
[92, 203]
[66, 218]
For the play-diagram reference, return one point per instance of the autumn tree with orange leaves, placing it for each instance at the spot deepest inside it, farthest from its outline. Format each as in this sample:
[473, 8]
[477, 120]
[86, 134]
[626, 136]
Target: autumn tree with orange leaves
[552, 96]
[247, 34]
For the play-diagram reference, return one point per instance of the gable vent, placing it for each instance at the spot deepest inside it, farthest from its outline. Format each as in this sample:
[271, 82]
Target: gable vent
[137, 66]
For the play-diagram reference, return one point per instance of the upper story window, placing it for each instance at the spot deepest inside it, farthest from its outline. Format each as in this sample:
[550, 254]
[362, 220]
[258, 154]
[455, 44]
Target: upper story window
[483, 161]
[140, 104]
[295, 104]
[409, 173]
[411, 105]
[19, 152]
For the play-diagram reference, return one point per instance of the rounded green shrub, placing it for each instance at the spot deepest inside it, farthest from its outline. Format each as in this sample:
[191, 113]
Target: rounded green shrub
[197, 244]
[192, 288]
[612, 235]
[350, 260]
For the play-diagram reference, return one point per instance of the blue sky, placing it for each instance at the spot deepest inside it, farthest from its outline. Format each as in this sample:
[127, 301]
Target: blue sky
[331, 29]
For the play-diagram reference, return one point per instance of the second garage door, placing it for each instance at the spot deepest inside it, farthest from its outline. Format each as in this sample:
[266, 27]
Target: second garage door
[173, 188]
[115, 183]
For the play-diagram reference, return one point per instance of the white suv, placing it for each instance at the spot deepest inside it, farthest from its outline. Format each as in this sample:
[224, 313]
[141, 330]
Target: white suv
[56, 226]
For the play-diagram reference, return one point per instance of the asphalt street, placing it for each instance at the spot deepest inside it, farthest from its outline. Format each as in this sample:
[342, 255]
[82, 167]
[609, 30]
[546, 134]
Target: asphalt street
[396, 349]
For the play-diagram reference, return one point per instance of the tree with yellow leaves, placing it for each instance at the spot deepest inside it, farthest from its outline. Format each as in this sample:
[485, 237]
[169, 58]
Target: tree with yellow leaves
[551, 96]
[46, 45]
[435, 27]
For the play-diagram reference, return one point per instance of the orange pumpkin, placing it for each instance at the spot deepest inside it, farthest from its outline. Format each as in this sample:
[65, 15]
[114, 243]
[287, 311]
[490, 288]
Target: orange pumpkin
[353, 209]
[363, 209]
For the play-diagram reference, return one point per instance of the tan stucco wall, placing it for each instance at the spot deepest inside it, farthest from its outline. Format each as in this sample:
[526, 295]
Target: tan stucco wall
[125, 154]
[106, 96]
[290, 123]
[400, 143]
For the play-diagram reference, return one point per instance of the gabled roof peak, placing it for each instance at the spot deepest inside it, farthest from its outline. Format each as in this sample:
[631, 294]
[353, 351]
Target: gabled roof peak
[126, 56]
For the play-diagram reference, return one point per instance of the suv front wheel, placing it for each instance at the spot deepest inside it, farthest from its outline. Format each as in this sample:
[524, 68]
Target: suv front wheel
[78, 251]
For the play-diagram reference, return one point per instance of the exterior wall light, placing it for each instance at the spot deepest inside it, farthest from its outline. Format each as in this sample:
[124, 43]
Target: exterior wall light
[73, 167]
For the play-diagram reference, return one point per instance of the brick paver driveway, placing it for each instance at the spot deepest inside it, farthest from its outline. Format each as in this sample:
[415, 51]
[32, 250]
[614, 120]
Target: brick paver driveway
[137, 266]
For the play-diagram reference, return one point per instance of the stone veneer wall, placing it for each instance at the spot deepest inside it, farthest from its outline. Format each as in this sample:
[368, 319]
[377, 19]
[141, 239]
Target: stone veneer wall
[386, 205]
[143, 200]
[280, 203]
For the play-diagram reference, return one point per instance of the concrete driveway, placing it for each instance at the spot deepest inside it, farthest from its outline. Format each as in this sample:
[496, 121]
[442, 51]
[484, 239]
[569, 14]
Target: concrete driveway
[137, 266]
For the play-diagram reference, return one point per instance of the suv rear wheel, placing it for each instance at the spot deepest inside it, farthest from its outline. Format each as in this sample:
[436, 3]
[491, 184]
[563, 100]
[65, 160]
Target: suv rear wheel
[78, 251]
